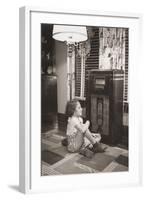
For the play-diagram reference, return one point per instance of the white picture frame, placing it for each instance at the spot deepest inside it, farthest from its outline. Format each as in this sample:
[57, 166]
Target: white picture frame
[30, 179]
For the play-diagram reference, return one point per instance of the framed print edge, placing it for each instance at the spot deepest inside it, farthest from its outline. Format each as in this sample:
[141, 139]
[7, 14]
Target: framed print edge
[26, 136]
[24, 101]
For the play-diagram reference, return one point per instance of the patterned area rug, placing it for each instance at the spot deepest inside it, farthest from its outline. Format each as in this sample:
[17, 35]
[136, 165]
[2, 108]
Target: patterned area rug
[98, 162]
[123, 160]
[50, 157]
[57, 160]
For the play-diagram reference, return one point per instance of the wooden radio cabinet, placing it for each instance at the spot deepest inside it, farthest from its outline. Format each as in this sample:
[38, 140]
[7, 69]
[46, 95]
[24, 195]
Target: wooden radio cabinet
[105, 103]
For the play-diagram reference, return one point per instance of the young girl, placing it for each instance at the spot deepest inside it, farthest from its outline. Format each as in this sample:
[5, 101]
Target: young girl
[78, 134]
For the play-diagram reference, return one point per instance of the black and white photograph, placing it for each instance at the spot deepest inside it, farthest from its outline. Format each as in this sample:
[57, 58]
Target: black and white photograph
[84, 73]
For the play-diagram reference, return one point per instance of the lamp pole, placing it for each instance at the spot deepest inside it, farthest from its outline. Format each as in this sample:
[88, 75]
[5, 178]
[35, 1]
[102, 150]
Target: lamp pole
[70, 71]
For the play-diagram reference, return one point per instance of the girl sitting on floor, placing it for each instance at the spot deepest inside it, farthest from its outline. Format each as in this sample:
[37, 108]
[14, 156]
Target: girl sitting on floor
[78, 136]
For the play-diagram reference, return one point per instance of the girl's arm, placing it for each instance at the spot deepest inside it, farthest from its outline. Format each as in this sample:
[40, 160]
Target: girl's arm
[82, 127]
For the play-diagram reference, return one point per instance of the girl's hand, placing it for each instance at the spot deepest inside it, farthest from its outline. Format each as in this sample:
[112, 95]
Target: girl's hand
[82, 127]
[87, 123]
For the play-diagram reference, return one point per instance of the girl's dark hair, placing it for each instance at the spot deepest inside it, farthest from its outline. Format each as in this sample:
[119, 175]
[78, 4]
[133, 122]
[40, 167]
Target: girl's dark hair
[70, 107]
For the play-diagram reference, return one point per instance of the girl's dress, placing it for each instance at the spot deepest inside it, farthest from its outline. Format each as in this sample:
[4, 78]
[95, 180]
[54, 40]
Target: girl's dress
[76, 139]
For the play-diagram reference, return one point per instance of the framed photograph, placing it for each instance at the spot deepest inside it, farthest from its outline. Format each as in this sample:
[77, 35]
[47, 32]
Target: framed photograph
[79, 100]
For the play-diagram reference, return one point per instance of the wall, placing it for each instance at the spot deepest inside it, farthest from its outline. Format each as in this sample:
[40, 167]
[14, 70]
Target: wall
[61, 71]
[9, 87]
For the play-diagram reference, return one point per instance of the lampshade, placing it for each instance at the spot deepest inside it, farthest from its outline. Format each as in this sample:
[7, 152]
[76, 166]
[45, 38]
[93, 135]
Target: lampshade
[69, 34]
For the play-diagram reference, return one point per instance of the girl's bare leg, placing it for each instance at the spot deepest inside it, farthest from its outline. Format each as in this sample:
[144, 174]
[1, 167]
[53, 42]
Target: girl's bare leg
[97, 147]
[90, 137]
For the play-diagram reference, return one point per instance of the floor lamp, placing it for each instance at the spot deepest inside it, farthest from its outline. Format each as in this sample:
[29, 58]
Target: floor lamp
[72, 36]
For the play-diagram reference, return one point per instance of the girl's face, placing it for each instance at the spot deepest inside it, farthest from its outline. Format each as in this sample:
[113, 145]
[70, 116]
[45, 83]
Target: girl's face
[78, 110]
